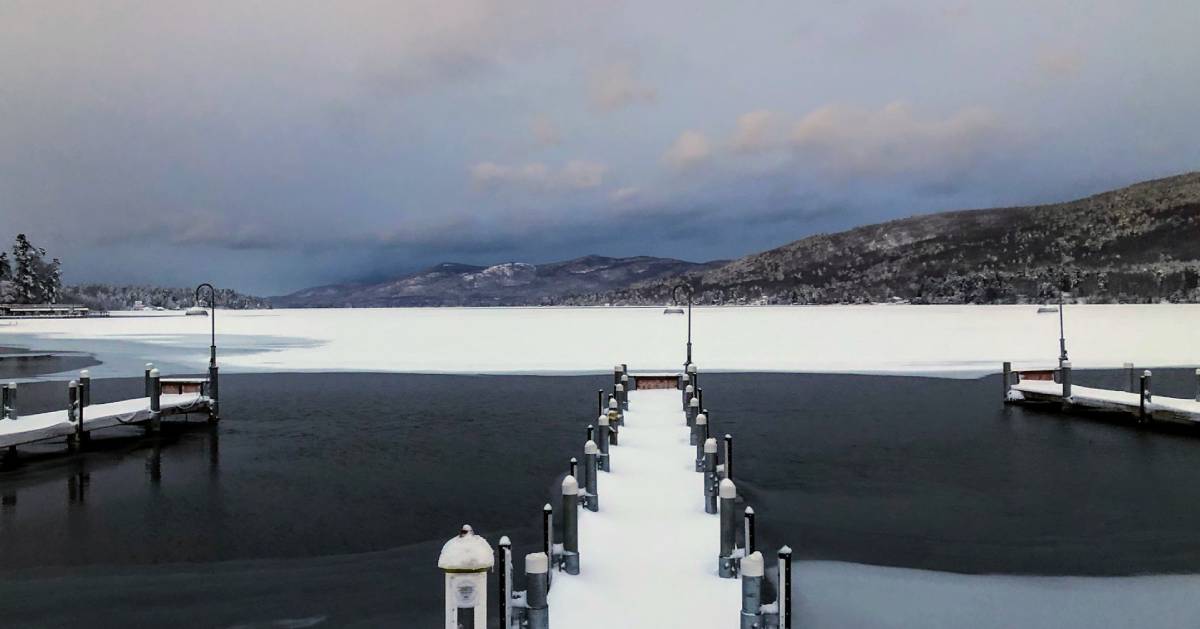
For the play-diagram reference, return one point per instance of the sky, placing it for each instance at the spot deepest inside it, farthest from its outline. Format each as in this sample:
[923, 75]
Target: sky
[273, 145]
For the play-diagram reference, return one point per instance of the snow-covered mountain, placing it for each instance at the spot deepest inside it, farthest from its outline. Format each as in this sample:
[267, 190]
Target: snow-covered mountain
[507, 284]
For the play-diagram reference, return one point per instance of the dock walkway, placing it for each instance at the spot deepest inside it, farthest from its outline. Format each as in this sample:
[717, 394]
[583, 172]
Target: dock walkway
[58, 424]
[649, 555]
[1157, 407]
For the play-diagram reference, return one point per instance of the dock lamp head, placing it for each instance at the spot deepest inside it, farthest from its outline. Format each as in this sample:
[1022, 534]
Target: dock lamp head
[465, 560]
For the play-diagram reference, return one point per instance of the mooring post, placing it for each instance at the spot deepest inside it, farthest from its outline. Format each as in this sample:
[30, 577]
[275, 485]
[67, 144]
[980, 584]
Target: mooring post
[752, 578]
[699, 438]
[687, 397]
[617, 371]
[1133, 387]
[696, 429]
[1198, 385]
[785, 588]
[710, 475]
[614, 411]
[604, 431]
[570, 509]
[1007, 381]
[729, 456]
[4, 401]
[504, 587]
[726, 562]
[149, 366]
[614, 426]
[748, 533]
[548, 538]
[537, 584]
[600, 401]
[627, 386]
[73, 414]
[85, 388]
[155, 401]
[591, 433]
[1143, 392]
[700, 396]
[693, 375]
[1146, 375]
[1066, 379]
[465, 560]
[574, 467]
[693, 410]
[10, 407]
[590, 453]
[620, 396]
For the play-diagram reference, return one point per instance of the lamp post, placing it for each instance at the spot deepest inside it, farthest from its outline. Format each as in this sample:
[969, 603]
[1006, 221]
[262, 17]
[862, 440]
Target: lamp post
[213, 393]
[687, 289]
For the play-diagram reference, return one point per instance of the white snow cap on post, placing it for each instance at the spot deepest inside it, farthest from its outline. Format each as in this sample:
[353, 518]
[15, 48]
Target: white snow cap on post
[603, 420]
[1146, 373]
[702, 419]
[570, 486]
[154, 373]
[612, 403]
[752, 565]
[624, 377]
[689, 388]
[710, 445]
[591, 448]
[728, 489]
[536, 563]
[691, 368]
[695, 402]
[1066, 364]
[620, 387]
[466, 553]
[618, 368]
[87, 374]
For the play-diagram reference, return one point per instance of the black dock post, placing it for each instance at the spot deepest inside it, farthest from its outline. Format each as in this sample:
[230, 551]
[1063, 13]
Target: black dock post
[1133, 387]
[749, 534]
[1143, 394]
[548, 539]
[729, 456]
[504, 583]
[1004, 384]
[149, 366]
[785, 588]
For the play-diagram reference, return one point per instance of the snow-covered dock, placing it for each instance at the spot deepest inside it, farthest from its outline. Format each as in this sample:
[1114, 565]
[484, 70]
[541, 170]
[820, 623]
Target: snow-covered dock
[58, 424]
[1143, 404]
[649, 555]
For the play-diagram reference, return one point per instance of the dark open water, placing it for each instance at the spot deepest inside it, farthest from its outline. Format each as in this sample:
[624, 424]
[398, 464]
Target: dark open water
[327, 496]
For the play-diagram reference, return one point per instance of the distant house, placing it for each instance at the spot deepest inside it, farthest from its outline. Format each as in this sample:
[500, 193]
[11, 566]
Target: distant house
[43, 310]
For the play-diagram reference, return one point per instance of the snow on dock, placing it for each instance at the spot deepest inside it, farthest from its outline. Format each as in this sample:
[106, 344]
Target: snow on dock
[1157, 407]
[57, 424]
[649, 555]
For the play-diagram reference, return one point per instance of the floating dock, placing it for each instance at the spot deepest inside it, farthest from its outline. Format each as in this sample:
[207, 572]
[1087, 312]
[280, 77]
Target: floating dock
[165, 397]
[1055, 387]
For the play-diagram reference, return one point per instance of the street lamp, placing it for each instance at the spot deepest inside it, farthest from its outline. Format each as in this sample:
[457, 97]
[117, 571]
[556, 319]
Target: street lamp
[687, 289]
[1062, 337]
[212, 348]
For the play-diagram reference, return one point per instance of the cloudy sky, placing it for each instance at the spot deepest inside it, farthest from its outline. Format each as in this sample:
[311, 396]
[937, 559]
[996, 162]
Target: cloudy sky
[276, 144]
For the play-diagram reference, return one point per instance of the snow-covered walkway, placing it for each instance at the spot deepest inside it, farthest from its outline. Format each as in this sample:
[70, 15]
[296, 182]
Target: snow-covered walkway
[649, 557]
[57, 424]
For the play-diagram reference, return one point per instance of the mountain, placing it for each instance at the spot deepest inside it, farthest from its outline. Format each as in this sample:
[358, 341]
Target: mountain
[1135, 244]
[508, 284]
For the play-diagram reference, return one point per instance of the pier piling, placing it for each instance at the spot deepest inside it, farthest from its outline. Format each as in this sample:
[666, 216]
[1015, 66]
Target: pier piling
[85, 388]
[752, 578]
[687, 397]
[729, 456]
[726, 563]
[570, 509]
[699, 438]
[1133, 385]
[785, 588]
[504, 585]
[155, 401]
[465, 560]
[693, 410]
[1066, 378]
[749, 533]
[73, 414]
[548, 537]
[574, 466]
[1198, 385]
[710, 475]
[604, 432]
[694, 433]
[590, 453]
[149, 366]
[1007, 379]
[537, 584]
[10, 401]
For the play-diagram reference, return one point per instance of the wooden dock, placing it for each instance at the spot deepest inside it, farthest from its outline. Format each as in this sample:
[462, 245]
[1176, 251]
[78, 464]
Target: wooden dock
[1055, 387]
[166, 397]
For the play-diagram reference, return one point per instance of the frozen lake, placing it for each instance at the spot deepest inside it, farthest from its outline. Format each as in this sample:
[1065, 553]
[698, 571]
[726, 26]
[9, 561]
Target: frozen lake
[964, 341]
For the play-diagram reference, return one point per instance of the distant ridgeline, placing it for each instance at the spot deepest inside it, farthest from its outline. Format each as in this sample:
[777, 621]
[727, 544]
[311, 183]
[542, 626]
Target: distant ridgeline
[1137, 244]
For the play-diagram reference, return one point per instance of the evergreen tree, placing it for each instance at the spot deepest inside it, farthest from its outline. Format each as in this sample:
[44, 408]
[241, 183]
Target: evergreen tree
[5, 267]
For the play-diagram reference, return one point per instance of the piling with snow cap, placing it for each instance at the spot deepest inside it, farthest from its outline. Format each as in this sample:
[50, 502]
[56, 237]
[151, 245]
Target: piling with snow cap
[603, 430]
[465, 560]
[505, 585]
[697, 429]
[548, 535]
[617, 371]
[1133, 380]
[693, 410]
[748, 534]
[729, 456]
[785, 588]
[687, 397]
[590, 454]
[73, 414]
[699, 438]
[537, 584]
[614, 428]
[155, 401]
[573, 465]
[85, 388]
[710, 475]
[1066, 378]
[628, 384]
[752, 579]
[1198, 385]
[570, 510]
[726, 562]
[622, 399]
[149, 366]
